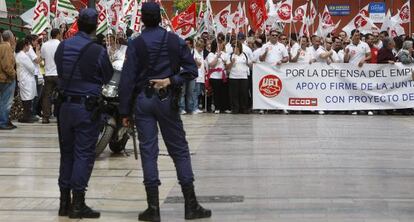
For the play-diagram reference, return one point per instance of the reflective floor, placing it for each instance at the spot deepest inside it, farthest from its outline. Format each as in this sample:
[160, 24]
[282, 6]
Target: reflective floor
[273, 168]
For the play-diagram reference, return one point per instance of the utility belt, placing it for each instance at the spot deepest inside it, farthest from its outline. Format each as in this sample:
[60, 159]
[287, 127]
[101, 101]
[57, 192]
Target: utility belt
[164, 93]
[92, 104]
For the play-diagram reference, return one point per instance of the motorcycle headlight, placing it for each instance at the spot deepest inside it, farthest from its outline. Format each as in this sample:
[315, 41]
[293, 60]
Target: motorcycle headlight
[110, 91]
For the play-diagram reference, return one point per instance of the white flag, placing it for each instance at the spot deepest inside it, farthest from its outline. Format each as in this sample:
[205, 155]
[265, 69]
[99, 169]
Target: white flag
[284, 11]
[41, 16]
[392, 26]
[136, 17]
[361, 22]
[3, 9]
[312, 13]
[238, 18]
[304, 29]
[221, 20]
[403, 15]
[102, 19]
[300, 13]
[324, 29]
[208, 18]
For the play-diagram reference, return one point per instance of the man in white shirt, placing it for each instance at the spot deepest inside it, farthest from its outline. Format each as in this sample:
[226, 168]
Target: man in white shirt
[47, 53]
[303, 54]
[294, 45]
[327, 54]
[357, 52]
[315, 48]
[273, 52]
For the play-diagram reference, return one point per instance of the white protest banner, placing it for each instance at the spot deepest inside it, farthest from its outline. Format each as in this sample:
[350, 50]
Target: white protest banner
[338, 86]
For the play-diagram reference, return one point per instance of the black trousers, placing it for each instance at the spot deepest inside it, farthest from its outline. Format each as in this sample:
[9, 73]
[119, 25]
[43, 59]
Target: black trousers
[50, 85]
[220, 94]
[239, 93]
[27, 110]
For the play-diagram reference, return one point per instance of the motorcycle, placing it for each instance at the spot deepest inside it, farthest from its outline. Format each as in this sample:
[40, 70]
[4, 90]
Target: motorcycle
[111, 130]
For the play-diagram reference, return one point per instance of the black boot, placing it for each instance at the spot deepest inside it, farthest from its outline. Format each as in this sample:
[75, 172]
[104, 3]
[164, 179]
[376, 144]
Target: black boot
[79, 209]
[152, 213]
[193, 210]
[65, 202]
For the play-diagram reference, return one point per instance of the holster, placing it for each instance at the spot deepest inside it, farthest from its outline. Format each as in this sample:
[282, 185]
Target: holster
[96, 105]
[57, 100]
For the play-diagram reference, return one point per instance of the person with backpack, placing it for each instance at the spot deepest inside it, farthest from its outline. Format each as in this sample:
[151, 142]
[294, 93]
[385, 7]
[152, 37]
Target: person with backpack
[238, 67]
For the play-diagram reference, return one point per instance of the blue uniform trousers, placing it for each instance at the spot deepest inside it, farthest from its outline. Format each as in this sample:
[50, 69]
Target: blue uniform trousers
[79, 135]
[149, 112]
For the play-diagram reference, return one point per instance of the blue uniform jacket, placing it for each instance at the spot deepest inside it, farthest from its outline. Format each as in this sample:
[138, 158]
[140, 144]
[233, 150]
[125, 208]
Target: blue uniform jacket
[133, 66]
[78, 85]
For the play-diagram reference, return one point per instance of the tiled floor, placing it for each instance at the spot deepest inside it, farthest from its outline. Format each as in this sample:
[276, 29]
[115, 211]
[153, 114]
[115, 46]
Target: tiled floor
[306, 168]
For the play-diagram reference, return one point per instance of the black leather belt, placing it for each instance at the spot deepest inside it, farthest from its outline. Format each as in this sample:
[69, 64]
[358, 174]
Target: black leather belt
[76, 99]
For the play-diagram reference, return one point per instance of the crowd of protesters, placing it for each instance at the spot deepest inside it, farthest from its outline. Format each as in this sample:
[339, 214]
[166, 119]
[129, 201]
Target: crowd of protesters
[226, 61]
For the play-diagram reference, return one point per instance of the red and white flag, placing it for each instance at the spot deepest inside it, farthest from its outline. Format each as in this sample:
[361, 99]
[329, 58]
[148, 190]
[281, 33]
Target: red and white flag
[238, 18]
[312, 13]
[403, 15]
[326, 17]
[184, 23]
[304, 29]
[221, 19]
[103, 25]
[258, 13]
[136, 17]
[361, 22]
[284, 11]
[392, 26]
[300, 12]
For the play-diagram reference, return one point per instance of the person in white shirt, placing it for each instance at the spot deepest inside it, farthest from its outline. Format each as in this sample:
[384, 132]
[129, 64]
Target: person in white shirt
[241, 37]
[186, 103]
[34, 55]
[273, 52]
[217, 77]
[47, 53]
[327, 54]
[294, 46]
[199, 86]
[25, 70]
[238, 65]
[257, 50]
[303, 54]
[315, 48]
[357, 52]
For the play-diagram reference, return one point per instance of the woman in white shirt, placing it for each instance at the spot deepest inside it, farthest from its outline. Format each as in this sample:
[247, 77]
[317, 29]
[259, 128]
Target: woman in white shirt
[199, 86]
[238, 66]
[217, 77]
[26, 80]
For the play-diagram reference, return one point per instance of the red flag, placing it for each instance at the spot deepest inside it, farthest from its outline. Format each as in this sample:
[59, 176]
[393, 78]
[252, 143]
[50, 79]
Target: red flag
[186, 19]
[72, 30]
[80, 4]
[258, 13]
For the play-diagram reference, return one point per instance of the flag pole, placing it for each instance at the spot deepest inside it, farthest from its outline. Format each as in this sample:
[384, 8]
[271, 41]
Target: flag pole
[409, 28]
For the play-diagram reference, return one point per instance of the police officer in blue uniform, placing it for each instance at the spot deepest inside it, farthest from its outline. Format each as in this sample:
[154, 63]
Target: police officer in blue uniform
[157, 64]
[83, 67]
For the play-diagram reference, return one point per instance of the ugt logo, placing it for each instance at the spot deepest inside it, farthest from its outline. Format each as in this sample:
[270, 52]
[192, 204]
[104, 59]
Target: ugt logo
[223, 18]
[270, 86]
